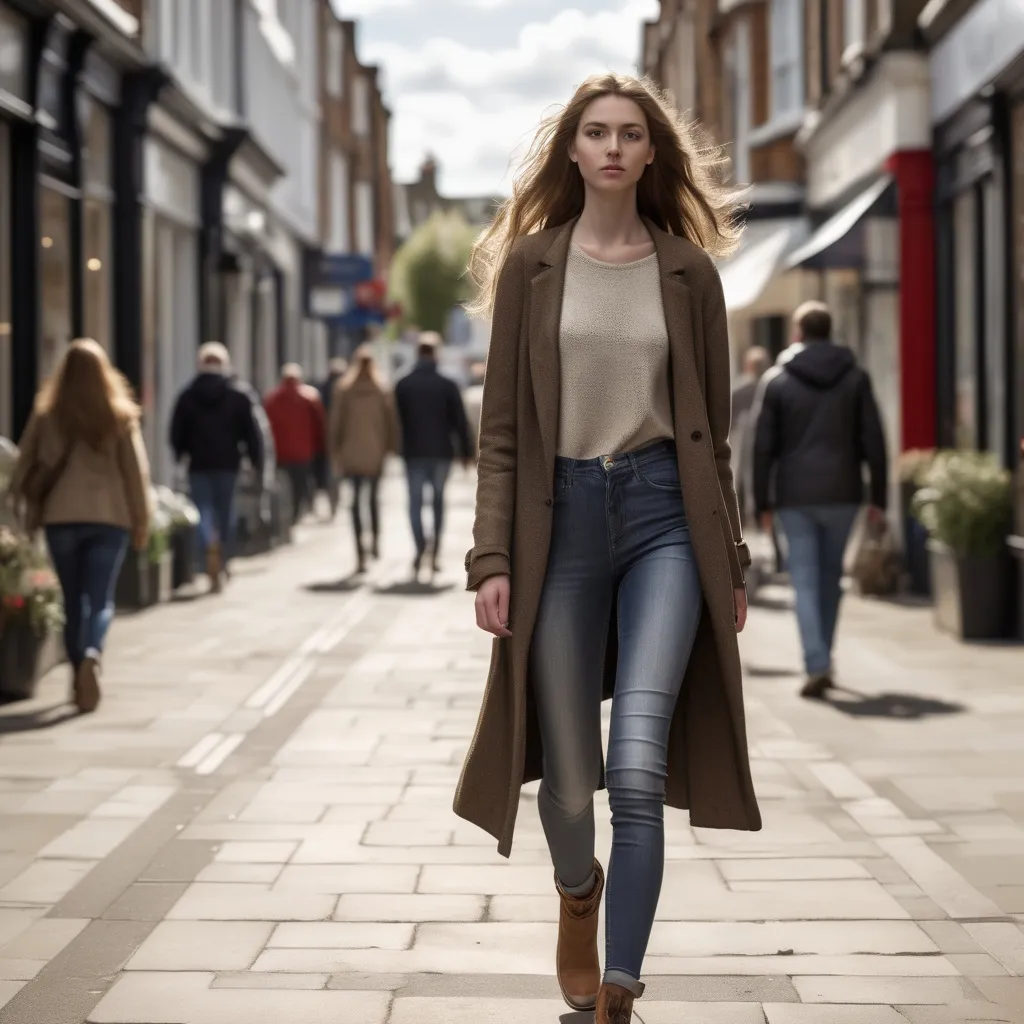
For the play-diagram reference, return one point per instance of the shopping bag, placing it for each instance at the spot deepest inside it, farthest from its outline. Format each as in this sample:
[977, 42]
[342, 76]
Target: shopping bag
[873, 560]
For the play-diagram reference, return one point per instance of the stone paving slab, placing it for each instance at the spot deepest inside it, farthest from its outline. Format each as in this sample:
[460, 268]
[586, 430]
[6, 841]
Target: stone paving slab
[257, 825]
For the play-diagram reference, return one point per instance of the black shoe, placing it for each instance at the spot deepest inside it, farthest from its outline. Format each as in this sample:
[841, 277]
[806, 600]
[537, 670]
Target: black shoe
[817, 686]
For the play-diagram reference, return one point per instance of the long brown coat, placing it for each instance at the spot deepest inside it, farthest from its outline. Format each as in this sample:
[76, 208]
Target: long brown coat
[363, 428]
[708, 768]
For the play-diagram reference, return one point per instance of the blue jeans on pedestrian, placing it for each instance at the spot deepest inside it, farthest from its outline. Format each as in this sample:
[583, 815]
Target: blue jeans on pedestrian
[87, 558]
[420, 472]
[620, 540]
[213, 492]
[816, 536]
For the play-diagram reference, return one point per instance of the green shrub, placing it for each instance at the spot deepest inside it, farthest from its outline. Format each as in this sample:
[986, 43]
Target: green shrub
[965, 501]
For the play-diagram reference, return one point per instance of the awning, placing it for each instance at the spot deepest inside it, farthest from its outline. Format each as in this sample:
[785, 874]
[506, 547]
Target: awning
[825, 247]
[746, 275]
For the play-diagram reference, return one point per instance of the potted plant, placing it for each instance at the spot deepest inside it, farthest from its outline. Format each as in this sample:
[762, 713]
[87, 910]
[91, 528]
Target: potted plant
[31, 610]
[965, 503]
[184, 520]
[912, 467]
[145, 577]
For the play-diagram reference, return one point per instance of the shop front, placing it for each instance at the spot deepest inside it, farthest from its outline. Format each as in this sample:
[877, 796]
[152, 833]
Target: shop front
[977, 71]
[171, 290]
[870, 189]
[15, 117]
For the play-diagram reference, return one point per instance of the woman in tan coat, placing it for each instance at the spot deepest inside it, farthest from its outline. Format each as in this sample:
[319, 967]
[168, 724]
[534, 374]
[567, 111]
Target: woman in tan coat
[362, 432]
[608, 560]
[82, 460]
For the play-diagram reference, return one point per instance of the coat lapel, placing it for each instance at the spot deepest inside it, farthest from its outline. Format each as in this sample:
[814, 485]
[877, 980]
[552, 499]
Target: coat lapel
[546, 288]
[677, 300]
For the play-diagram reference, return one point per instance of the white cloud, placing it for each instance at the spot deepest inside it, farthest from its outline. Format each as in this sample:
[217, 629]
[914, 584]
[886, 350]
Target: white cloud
[474, 105]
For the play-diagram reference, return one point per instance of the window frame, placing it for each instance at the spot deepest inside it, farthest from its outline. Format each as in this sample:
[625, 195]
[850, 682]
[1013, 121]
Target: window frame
[786, 57]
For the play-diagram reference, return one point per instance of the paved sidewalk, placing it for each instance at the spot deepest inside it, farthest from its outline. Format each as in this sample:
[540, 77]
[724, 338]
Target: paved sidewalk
[256, 827]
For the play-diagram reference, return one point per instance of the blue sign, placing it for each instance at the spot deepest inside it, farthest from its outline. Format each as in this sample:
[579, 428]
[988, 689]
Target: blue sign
[332, 281]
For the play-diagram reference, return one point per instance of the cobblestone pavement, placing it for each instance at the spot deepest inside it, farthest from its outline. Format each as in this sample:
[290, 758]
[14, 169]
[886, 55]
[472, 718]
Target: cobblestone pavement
[256, 826]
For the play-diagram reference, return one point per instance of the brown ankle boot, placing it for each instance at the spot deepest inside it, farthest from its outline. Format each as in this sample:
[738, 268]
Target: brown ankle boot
[614, 1005]
[577, 964]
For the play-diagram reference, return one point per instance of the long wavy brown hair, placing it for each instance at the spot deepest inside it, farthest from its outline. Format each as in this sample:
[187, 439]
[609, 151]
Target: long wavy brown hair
[87, 397]
[363, 367]
[684, 191]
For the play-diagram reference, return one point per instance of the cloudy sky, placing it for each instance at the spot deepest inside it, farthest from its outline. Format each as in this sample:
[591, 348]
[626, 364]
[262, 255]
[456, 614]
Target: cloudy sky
[469, 79]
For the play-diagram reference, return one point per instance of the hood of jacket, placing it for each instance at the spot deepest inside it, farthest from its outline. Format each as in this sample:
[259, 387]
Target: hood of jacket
[210, 389]
[821, 364]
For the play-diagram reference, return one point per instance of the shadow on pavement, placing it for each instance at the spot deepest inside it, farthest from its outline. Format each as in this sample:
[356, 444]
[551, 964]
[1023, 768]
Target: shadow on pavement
[890, 705]
[576, 1018]
[770, 672]
[33, 721]
[777, 602]
[412, 588]
[343, 586]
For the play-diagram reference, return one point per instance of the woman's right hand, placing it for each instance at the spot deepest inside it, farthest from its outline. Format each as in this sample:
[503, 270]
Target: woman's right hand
[492, 602]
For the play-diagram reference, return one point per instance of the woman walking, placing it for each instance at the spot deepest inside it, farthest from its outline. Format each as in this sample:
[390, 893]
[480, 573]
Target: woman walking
[608, 559]
[363, 430]
[82, 468]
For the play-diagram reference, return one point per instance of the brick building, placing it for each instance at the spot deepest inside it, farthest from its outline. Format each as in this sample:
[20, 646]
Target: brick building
[415, 201]
[355, 189]
[823, 104]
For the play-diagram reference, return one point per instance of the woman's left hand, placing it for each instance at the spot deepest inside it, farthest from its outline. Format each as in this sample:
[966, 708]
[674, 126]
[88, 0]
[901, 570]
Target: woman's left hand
[740, 601]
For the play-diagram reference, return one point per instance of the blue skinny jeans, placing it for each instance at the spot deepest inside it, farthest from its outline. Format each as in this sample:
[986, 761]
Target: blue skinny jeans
[620, 540]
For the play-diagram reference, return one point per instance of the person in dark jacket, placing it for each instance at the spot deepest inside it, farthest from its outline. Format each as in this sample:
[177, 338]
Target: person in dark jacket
[326, 479]
[817, 427]
[213, 426]
[434, 431]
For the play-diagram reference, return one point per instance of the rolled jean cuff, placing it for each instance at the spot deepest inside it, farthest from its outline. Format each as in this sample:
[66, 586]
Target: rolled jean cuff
[624, 980]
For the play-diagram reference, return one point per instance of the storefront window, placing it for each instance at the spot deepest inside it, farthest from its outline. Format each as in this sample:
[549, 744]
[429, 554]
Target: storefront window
[97, 294]
[13, 68]
[5, 281]
[56, 277]
[965, 233]
[98, 298]
[994, 292]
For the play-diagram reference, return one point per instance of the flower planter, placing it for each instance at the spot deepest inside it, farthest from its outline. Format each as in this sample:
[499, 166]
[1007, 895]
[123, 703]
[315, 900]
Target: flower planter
[1016, 543]
[143, 582]
[183, 556]
[974, 597]
[20, 647]
[915, 546]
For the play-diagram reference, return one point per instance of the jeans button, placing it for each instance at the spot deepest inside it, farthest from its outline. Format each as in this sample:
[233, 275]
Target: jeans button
[696, 435]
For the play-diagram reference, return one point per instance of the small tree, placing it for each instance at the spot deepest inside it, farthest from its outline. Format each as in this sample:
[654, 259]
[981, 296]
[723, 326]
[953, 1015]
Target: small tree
[428, 273]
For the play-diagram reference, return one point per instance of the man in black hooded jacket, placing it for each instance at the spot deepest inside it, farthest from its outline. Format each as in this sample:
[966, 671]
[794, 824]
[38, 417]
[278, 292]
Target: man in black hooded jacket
[213, 426]
[817, 427]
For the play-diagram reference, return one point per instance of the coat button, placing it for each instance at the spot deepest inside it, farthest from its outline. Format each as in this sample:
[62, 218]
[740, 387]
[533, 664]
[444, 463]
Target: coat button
[696, 435]
[548, 502]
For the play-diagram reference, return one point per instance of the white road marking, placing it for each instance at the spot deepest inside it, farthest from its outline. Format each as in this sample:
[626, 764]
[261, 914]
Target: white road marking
[220, 753]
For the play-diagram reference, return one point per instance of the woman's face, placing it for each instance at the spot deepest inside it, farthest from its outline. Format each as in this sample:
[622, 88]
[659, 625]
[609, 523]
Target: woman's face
[612, 144]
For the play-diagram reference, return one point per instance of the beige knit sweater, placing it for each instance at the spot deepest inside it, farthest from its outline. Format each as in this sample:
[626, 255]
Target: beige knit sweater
[613, 348]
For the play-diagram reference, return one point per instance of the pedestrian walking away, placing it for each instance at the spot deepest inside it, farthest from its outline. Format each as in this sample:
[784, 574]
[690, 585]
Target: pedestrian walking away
[608, 558]
[817, 426]
[434, 432]
[741, 432]
[362, 432]
[82, 471]
[298, 421]
[326, 479]
[215, 425]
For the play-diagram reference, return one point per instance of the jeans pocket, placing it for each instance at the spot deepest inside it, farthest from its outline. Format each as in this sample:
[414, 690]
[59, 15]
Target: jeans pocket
[662, 475]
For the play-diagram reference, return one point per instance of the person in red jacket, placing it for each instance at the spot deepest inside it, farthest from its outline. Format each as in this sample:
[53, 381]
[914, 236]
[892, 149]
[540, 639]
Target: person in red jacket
[297, 420]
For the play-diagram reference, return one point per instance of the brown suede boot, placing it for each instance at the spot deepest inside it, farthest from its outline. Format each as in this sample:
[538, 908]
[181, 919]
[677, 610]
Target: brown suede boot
[614, 1005]
[577, 964]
